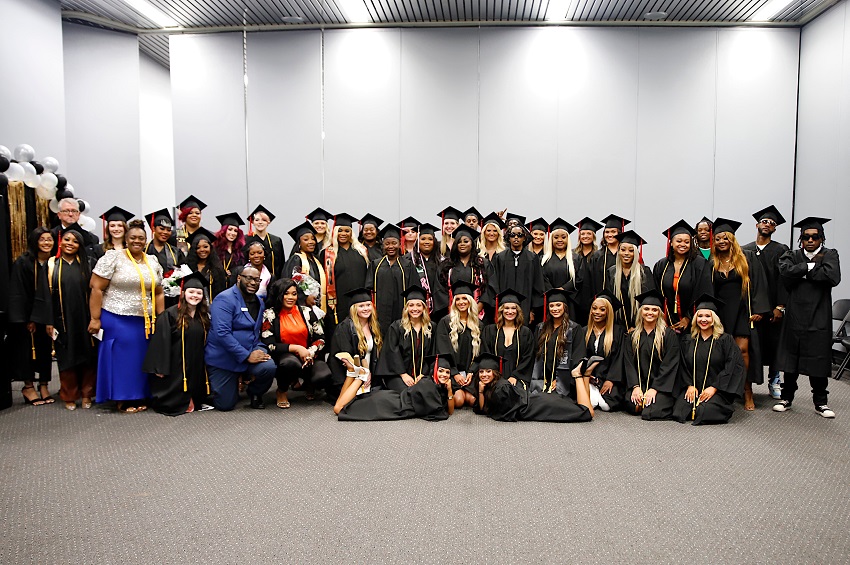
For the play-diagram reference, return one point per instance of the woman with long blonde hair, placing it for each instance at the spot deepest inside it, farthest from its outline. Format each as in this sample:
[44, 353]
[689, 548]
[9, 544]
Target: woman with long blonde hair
[345, 262]
[712, 372]
[629, 277]
[562, 268]
[651, 361]
[408, 342]
[510, 338]
[355, 348]
[738, 280]
[603, 338]
[539, 244]
[459, 334]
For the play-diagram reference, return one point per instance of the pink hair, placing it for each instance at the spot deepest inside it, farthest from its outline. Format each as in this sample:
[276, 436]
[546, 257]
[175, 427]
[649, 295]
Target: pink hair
[220, 245]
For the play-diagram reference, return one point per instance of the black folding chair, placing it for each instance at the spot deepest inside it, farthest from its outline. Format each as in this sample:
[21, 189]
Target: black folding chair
[841, 313]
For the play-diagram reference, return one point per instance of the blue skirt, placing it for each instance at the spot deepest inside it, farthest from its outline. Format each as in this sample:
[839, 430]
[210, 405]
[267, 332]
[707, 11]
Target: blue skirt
[122, 352]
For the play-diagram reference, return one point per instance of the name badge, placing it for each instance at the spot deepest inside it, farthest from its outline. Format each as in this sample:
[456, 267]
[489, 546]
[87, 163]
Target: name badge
[244, 309]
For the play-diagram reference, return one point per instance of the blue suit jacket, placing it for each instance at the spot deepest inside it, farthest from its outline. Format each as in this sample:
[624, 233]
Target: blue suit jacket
[233, 334]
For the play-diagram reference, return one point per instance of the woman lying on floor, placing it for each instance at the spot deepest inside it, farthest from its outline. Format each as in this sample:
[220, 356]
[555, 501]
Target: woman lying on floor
[505, 402]
[429, 398]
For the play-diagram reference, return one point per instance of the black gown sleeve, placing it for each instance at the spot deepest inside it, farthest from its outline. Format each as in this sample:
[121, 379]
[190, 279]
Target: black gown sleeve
[668, 370]
[392, 362]
[158, 357]
[758, 294]
[443, 344]
[525, 355]
[731, 378]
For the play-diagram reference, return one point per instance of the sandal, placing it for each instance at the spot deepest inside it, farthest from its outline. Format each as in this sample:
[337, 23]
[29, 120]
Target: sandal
[130, 409]
[282, 400]
[37, 401]
[70, 405]
[47, 399]
[85, 404]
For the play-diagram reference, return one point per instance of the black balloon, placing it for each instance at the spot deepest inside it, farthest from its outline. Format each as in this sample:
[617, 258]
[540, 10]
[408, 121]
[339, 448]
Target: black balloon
[61, 182]
[4, 164]
[60, 194]
[39, 168]
[82, 204]
[4, 181]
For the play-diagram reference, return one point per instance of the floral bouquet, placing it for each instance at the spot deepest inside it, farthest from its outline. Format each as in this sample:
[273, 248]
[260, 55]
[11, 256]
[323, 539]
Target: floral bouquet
[310, 287]
[171, 284]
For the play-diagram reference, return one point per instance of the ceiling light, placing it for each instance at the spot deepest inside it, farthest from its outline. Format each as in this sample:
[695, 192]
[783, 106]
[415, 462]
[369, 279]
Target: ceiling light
[293, 20]
[770, 10]
[556, 10]
[355, 11]
[153, 14]
[655, 16]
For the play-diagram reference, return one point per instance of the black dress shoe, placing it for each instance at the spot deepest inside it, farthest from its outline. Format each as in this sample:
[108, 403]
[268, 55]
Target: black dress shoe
[257, 403]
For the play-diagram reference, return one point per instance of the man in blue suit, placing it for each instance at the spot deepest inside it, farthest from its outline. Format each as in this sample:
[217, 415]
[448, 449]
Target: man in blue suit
[233, 346]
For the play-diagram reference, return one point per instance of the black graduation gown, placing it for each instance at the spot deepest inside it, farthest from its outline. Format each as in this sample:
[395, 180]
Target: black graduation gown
[737, 309]
[71, 316]
[403, 353]
[349, 271]
[547, 367]
[425, 400]
[429, 271]
[724, 370]
[89, 239]
[690, 286]
[769, 331]
[216, 281]
[464, 355]
[169, 257]
[586, 293]
[388, 280]
[610, 368]
[658, 370]
[294, 265]
[345, 340]
[624, 316]
[556, 274]
[526, 277]
[806, 342]
[165, 355]
[275, 256]
[518, 356]
[374, 252]
[29, 301]
[94, 253]
[511, 403]
[600, 262]
[451, 274]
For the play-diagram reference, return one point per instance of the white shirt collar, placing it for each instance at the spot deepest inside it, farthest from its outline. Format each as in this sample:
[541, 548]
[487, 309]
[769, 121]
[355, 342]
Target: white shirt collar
[813, 253]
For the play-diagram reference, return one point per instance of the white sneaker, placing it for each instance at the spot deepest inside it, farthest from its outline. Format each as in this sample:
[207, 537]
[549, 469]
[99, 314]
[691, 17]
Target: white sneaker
[824, 411]
[776, 390]
[782, 406]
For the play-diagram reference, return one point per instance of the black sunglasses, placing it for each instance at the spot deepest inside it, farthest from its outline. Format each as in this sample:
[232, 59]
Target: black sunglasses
[812, 236]
[516, 234]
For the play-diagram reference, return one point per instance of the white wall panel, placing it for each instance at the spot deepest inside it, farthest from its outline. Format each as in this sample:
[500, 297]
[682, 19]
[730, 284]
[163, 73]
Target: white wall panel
[439, 121]
[102, 103]
[157, 136]
[362, 107]
[33, 108]
[284, 124]
[207, 89]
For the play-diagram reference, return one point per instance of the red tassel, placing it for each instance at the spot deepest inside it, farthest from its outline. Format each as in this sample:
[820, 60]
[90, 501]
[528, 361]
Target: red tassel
[451, 297]
[501, 365]
[180, 298]
[436, 368]
[545, 307]
[496, 315]
[251, 225]
[59, 244]
[640, 254]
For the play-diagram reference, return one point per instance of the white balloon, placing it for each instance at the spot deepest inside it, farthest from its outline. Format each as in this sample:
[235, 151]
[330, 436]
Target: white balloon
[15, 172]
[32, 181]
[70, 189]
[45, 192]
[87, 223]
[54, 206]
[4, 151]
[51, 165]
[24, 152]
[49, 180]
[29, 169]
[87, 205]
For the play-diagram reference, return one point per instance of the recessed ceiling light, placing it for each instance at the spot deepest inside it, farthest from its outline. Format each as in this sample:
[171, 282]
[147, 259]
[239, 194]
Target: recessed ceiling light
[556, 10]
[152, 13]
[770, 10]
[293, 20]
[355, 11]
[655, 16]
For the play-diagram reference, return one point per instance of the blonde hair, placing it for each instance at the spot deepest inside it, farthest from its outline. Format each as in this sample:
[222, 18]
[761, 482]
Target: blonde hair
[660, 328]
[593, 246]
[519, 321]
[374, 327]
[456, 326]
[547, 247]
[739, 261]
[716, 324]
[548, 251]
[482, 242]
[328, 239]
[355, 244]
[635, 282]
[609, 326]
[426, 320]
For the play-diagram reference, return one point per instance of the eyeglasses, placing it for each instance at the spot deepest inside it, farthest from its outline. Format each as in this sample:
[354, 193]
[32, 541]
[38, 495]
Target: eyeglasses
[812, 236]
[516, 235]
[250, 279]
[72, 212]
[768, 222]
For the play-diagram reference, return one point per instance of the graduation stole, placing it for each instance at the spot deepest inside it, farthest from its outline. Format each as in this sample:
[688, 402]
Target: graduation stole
[323, 281]
[150, 319]
[330, 262]
[551, 379]
[704, 377]
[268, 240]
[676, 298]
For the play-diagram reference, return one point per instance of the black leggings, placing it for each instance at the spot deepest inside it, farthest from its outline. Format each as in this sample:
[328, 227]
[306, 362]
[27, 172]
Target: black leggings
[289, 370]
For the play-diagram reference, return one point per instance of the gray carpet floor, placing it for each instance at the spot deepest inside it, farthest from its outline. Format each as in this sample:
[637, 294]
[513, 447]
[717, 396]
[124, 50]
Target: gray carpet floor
[297, 486]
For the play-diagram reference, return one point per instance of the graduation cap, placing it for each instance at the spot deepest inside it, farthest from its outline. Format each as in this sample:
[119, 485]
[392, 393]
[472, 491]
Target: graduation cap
[461, 287]
[449, 213]
[160, 218]
[371, 219]
[443, 360]
[679, 228]
[200, 233]
[473, 212]
[415, 292]
[631, 236]
[770, 213]
[589, 224]
[344, 220]
[707, 301]
[511, 216]
[650, 298]
[230, 219]
[116, 214]
[464, 230]
[508, 296]
[493, 218]
[298, 231]
[195, 280]
[609, 296]
[192, 201]
[319, 214]
[264, 210]
[489, 361]
[359, 295]
[556, 295]
[428, 229]
[390, 230]
[810, 223]
[538, 225]
[408, 222]
[561, 224]
[725, 225]
[615, 221]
